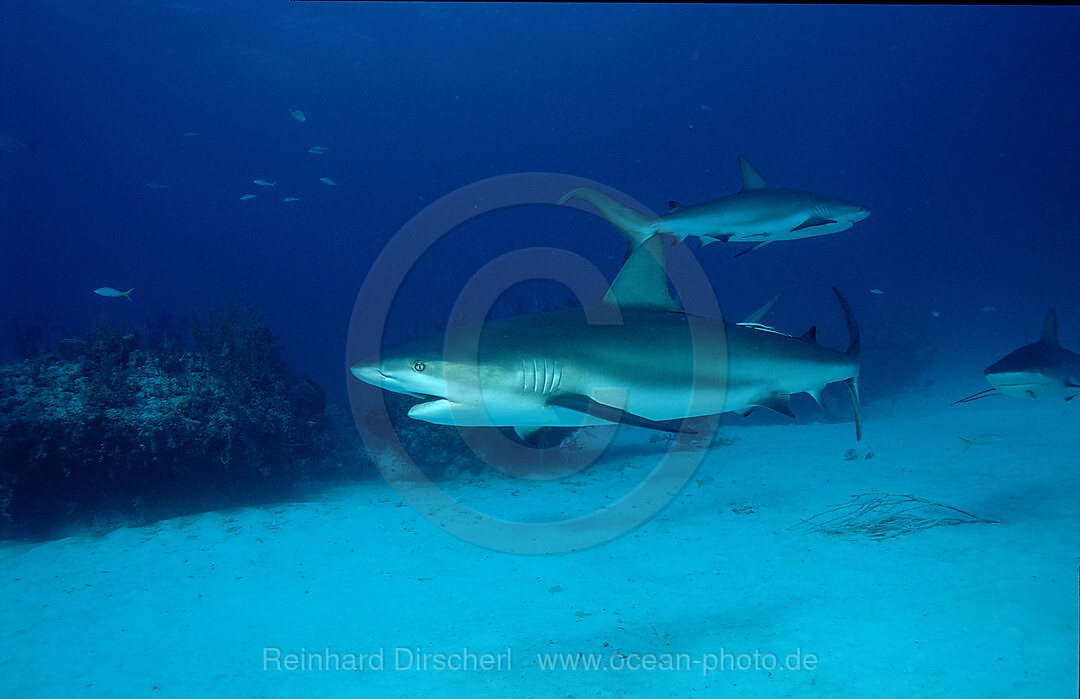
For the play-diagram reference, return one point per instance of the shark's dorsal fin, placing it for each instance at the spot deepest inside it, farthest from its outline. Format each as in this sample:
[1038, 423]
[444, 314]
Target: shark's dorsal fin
[642, 281]
[1050, 331]
[750, 177]
[760, 313]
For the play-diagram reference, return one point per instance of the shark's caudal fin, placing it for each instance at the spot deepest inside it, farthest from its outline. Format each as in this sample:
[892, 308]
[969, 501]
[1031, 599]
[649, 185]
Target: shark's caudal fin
[642, 281]
[636, 226]
[852, 325]
[1050, 329]
[750, 177]
[852, 352]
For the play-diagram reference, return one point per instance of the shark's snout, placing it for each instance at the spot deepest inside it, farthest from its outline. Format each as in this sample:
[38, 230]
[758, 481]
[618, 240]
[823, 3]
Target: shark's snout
[368, 373]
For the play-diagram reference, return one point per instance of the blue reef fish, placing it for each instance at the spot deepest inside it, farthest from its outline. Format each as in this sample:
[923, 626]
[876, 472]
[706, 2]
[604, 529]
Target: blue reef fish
[109, 292]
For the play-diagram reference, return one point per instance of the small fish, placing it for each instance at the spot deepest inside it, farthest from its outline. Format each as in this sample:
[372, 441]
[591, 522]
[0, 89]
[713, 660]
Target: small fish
[156, 185]
[981, 439]
[248, 196]
[876, 291]
[112, 293]
[191, 134]
[297, 114]
[327, 180]
[291, 199]
[936, 314]
[317, 150]
[264, 183]
[704, 481]
[988, 309]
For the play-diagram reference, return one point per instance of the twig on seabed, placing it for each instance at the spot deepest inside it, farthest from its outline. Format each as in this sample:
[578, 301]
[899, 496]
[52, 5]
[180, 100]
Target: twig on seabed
[884, 516]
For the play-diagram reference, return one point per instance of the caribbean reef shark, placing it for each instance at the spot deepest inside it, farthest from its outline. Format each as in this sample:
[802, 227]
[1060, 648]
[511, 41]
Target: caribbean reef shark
[640, 360]
[1043, 369]
[758, 214]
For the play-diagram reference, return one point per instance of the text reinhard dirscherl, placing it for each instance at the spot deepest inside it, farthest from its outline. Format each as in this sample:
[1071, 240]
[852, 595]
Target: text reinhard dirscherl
[406, 659]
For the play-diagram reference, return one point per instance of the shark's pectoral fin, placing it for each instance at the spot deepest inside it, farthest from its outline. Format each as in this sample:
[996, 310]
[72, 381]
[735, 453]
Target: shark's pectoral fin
[853, 387]
[588, 406]
[976, 396]
[530, 435]
[778, 402]
[811, 222]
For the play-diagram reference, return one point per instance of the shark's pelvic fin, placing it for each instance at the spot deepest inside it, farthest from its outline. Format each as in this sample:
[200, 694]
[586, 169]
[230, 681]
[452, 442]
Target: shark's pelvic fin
[750, 177]
[778, 402]
[1050, 329]
[586, 405]
[642, 281]
[811, 222]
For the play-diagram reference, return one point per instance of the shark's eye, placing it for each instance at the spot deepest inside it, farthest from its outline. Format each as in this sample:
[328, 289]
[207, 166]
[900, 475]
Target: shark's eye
[418, 367]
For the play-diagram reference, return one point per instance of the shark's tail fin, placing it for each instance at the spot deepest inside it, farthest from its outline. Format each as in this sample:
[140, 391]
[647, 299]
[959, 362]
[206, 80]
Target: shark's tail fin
[636, 226]
[852, 325]
[852, 352]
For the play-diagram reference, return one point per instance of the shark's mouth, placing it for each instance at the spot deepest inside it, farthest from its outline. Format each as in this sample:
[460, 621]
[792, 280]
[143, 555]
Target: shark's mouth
[424, 397]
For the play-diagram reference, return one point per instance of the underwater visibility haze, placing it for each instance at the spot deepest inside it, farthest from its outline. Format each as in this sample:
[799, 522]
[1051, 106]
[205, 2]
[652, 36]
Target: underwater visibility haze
[496, 349]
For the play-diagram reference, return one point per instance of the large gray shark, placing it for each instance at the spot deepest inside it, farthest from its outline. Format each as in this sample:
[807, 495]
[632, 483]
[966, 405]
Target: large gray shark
[758, 214]
[1043, 369]
[641, 360]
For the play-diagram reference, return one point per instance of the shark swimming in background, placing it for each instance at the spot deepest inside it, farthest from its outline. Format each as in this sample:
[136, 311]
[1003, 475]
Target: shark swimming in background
[757, 214]
[1043, 369]
[646, 362]
[10, 144]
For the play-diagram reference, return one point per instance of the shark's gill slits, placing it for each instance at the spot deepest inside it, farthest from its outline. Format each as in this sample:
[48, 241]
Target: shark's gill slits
[540, 376]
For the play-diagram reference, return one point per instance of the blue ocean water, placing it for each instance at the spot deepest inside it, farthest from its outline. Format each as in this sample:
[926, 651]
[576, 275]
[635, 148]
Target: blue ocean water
[135, 129]
[956, 126]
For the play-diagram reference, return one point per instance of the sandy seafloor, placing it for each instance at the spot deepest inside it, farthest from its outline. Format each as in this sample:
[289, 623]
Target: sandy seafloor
[186, 607]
